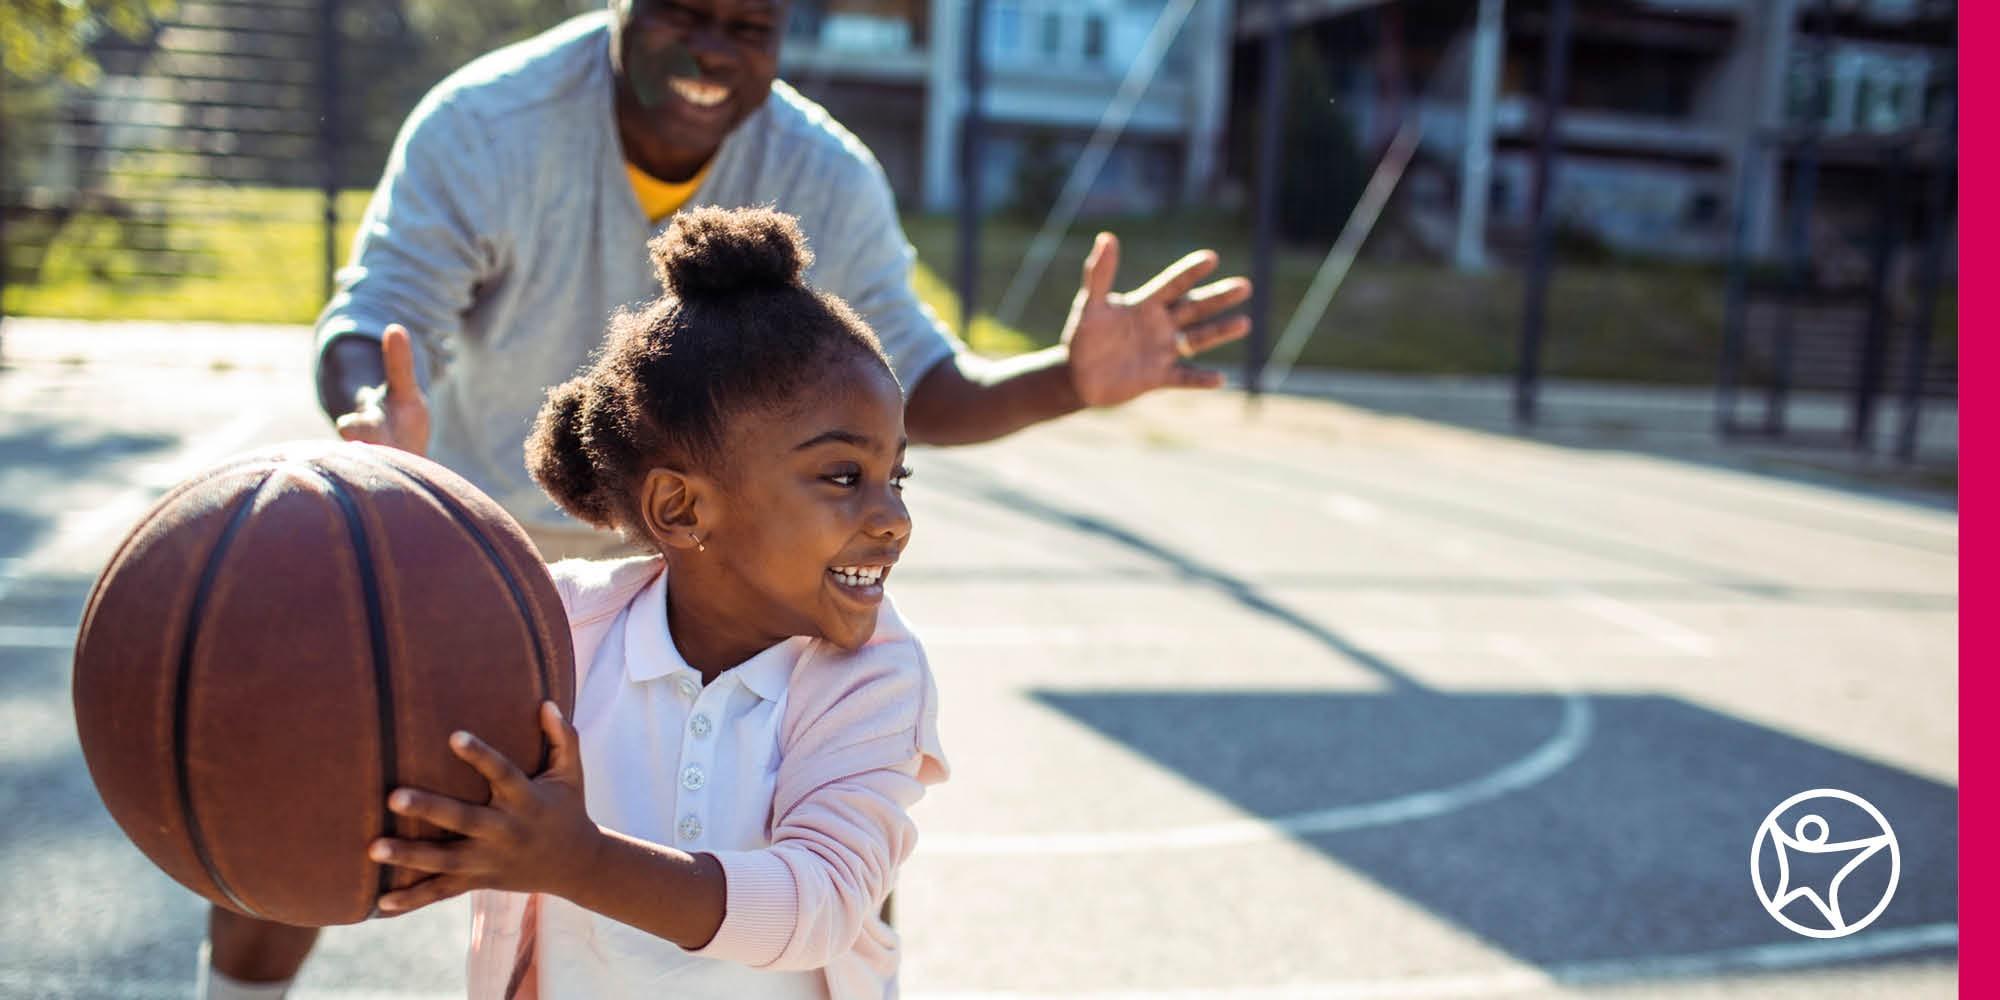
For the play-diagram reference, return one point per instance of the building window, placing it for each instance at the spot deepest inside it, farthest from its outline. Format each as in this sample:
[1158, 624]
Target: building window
[1051, 33]
[1093, 37]
[1005, 34]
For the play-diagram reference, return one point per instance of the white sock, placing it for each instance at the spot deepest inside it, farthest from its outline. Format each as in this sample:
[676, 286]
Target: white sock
[209, 984]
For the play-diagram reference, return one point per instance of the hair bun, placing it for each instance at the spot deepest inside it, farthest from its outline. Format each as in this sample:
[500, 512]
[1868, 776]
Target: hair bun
[712, 251]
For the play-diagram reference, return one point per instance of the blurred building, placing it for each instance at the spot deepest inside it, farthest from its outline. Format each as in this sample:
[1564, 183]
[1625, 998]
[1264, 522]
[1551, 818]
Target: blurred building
[1675, 110]
[892, 71]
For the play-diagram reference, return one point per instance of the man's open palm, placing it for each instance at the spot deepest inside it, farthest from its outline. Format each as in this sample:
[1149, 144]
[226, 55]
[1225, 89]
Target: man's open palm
[1123, 345]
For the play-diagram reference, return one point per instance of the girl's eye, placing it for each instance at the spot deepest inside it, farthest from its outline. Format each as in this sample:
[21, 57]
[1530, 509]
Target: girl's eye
[751, 32]
[899, 475]
[844, 478]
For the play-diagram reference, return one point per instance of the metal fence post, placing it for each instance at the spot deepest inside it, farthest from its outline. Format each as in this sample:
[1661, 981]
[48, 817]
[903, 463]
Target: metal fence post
[1943, 187]
[1534, 305]
[6, 203]
[1875, 336]
[329, 136]
[971, 132]
[1735, 306]
[1263, 269]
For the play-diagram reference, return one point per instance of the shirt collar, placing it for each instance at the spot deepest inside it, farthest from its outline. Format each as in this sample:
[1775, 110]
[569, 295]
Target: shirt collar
[650, 653]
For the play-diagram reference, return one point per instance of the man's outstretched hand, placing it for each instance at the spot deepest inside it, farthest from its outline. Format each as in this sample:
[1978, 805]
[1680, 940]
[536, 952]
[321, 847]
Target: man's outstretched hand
[1125, 344]
[394, 413]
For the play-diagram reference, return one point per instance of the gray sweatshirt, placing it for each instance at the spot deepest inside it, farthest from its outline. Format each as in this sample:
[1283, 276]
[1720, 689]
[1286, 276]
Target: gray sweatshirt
[505, 233]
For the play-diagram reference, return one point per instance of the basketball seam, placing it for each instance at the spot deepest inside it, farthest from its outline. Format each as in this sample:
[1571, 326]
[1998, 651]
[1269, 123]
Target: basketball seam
[378, 643]
[507, 575]
[184, 673]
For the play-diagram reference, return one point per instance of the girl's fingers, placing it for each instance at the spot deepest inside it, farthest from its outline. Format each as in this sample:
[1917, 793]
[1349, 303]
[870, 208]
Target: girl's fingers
[563, 755]
[498, 771]
[430, 890]
[449, 813]
[423, 856]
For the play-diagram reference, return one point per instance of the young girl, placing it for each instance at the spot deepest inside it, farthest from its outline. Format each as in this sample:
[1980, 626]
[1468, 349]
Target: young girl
[753, 720]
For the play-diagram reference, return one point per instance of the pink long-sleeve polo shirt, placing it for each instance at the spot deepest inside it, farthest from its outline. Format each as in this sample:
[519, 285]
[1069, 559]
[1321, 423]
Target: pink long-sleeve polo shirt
[856, 744]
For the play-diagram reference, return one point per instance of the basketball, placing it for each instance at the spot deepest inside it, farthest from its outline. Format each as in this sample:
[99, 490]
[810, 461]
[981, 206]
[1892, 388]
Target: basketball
[282, 640]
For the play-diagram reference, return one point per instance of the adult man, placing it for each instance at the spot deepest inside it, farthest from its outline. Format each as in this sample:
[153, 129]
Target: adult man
[511, 221]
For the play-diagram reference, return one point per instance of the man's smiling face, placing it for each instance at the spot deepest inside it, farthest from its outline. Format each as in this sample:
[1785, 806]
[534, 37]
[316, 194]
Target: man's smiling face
[690, 71]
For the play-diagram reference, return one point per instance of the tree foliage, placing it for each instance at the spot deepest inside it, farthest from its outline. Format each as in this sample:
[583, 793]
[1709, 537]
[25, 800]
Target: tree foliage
[48, 41]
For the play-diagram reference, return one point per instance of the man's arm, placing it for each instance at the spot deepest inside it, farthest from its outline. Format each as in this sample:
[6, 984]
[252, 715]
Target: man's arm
[965, 399]
[422, 249]
[1115, 347]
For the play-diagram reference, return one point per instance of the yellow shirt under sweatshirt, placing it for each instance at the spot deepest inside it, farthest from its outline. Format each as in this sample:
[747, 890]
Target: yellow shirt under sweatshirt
[658, 198]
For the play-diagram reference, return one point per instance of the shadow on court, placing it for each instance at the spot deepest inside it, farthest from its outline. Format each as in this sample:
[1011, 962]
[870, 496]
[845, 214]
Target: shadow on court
[1582, 833]
[1638, 847]
[41, 459]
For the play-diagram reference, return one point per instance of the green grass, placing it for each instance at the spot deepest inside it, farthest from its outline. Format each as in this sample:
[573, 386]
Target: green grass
[1645, 322]
[1623, 321]
[255, 256]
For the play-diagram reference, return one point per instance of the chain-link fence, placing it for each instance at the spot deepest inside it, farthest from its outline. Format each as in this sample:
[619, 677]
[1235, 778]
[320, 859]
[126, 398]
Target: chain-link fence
[206, 159]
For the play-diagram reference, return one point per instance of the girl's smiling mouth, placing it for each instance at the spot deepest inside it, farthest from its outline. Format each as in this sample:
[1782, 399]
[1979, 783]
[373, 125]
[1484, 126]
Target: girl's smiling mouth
[862, 583]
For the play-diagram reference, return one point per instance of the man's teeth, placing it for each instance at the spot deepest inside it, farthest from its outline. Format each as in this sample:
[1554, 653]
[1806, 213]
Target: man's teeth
[698, 93]
[859, 576]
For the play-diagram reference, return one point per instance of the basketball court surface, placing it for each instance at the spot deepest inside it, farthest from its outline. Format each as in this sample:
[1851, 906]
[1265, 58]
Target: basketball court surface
[1318, 704]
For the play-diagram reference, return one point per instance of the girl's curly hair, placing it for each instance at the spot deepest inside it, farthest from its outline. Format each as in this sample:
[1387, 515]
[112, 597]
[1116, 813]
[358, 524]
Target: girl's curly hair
[736, 328]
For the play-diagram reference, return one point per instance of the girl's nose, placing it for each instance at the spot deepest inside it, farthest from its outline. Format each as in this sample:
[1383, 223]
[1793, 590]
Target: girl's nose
[891, 518]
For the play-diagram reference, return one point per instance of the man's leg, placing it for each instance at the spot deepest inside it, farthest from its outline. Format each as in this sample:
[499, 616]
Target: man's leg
[247, 957]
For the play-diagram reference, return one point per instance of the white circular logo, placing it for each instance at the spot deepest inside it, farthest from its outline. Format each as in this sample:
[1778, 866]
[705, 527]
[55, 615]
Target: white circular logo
[1811, 835]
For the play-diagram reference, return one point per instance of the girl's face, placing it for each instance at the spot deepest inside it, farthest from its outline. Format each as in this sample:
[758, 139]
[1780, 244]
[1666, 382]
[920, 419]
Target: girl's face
[812, 514]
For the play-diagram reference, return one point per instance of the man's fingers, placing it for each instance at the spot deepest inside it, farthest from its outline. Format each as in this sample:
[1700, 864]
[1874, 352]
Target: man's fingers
[1186, 377]
[399, 362]
[430, 890]
[1178, 278]
[1217, 333]
[1100, 269]
[446, 812]
[1210, 300]
[499, 772]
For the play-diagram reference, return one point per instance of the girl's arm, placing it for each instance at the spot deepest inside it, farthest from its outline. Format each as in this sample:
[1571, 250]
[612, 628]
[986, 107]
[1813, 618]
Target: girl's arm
[797, 904]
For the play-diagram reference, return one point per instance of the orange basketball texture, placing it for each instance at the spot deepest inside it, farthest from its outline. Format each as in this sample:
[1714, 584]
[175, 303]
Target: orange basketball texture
[286, 637]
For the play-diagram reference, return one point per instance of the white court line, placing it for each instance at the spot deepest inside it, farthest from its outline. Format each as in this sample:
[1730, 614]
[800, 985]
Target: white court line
[1557, 752]
[1351, 509]
[1667, 633]
[1782, 956]
[1664, 631]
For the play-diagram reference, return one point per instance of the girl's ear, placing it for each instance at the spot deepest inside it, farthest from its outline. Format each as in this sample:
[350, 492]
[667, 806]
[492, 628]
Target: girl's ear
[672, 504]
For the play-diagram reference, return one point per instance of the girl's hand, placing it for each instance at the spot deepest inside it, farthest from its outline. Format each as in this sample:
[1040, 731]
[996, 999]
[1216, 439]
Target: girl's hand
[532, 836]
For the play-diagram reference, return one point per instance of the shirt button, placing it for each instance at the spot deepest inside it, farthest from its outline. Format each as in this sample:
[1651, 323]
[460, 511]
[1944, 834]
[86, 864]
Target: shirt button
[692, 778]
[700, 725]
[688, 687]
[690, 827]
